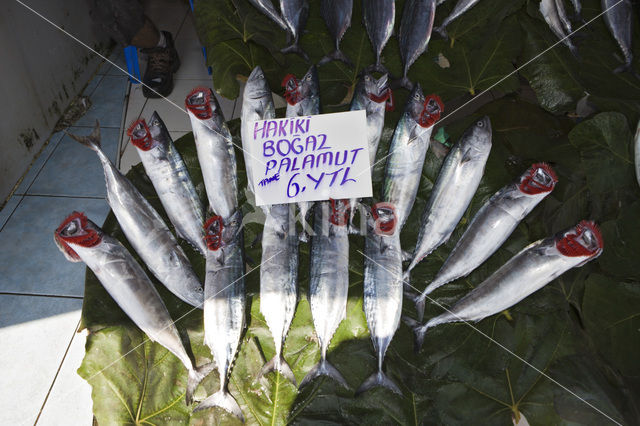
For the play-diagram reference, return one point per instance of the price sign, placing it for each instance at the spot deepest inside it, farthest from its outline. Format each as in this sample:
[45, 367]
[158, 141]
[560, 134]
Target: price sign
[311, 158]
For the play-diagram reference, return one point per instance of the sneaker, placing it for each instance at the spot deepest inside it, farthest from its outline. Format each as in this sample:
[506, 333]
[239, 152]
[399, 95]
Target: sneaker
[162, 62]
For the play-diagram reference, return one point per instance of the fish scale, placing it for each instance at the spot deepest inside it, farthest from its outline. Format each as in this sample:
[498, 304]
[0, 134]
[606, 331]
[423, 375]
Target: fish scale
[337, 16]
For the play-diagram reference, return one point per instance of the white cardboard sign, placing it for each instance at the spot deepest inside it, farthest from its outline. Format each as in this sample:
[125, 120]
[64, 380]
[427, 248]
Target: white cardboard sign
[310, 158]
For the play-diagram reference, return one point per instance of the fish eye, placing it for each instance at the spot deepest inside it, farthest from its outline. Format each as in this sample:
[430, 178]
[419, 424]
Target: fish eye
[480, 124]
[416, 96]
[367, 78]
[309, 77]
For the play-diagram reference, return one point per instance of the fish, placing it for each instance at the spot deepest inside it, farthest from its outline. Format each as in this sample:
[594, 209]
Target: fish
[492, 225]
[81, 240]
[337, 16]
[303, 99]
[279, 281]
[525, 273]
[636, 146]
[577, 6]
[414, 35]
[145, 229]
[374, 97]
[257, 104]
[224, 304]
[170, 178]
[453, 189]
[382, 287]
[295, 14]
[379, 18]
[556, 20]
[329, 280]
[267, 8]
[617, 16]
[408, 150]
[216, 153]
[459, 9]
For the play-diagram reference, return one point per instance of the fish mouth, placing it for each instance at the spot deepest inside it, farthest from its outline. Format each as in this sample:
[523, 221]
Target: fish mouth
[75, 229]
[540, 178]
[292, 89]
[140, 135]
[213, 232]
[198, 102]
[585, 240]
[339, 212]
[383, 93]
[432, 108]
[385, 218]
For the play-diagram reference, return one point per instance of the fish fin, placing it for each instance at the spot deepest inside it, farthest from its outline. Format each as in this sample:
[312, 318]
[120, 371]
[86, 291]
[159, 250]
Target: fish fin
[442, 30]
[278, 363]
[323, 368]
[626, 68]
[574, 51]
[377, 68]
[406, 256]
[419, 330]
[403, 82]
[224, 400]
[195, 377]
[336, 55]
[294, 48]
[378, 379]
[92, 141]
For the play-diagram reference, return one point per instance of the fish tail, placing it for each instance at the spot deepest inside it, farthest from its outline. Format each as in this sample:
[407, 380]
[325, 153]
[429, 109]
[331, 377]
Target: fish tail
[378, 379]
[404, 82]
[195, 377]
[294, 48]
[377, 67]
[323, 368]
[224, 400]
[336, 55]
[626, 67]
[574, 51]
[278, 363]
[419, 331]
[442, 30]
[92, 141]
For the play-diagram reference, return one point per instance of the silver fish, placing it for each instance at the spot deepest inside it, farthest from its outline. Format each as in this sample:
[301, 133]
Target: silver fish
[382, 287]
[224, 303]
[257, 104]
[268, 9]
[303, 99]
[215, 151]
[80, 239]
[556, 20]
[337, 16]
[454, 188]
[636, 146]
[408, 150]
[459, 9]
[524, 274]
[618, 19]
[295, 14]
[379, 17]
[329, 280]
[279, 281]
[415, 32]
[170, 178]
[145, 230]
[492, 225]
[577, 6]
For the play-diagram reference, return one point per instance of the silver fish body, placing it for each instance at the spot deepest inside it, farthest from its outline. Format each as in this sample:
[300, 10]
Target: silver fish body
[170, 178]
[525, 273]
[329, 283]
[379, 18]
[636, 146]
[618, 19]
[407, 153]
[557, 21]
[415, 32]
[295, 14]
[268, 9]
[224, 306]
[337, 16]
[279, 280]
[146, 231]
[458, 10]
[454, 188]
[215, 150]
[257, 104]
[577, 6]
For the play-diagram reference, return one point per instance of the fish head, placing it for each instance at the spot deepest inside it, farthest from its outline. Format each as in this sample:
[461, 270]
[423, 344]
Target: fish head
[292, 89]
[339, 212]
[158, 129]
[384, 218]
[257, 86]
[213, 229]
[477, 137]
[310, 84]
[424, 110]
[202, 103]
[583, 240]
[76, 229]
[140, 135]
[378, 90]
[539, 179]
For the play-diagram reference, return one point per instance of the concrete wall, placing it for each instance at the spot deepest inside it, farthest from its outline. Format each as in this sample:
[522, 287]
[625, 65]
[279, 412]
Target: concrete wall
[41, 71]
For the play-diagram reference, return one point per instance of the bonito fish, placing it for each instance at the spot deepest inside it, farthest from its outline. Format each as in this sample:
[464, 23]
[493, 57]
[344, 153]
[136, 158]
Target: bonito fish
[524, 274]
[618, 19]
[329, 280]
[492, 225]
[170, 178]
[295, 14]
[215, 151]
[415, 32]
[268, 9]
[382, 287]
[257, 104]
[337, 16]
[408, 150]
[554, 14]
[80, 239]
[303, 99]
[145, 229]
[453, 190]
[224, 302]
[458, 10]
[279, 281]
[379, 17]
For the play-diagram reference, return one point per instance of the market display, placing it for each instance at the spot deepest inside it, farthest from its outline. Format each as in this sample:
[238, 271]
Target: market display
[337, 15]
[415, 32]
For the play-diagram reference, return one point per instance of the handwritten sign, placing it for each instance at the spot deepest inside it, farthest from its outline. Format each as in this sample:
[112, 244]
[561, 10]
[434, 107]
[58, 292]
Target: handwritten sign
[311, 158]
